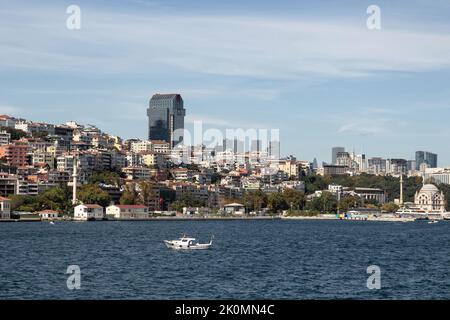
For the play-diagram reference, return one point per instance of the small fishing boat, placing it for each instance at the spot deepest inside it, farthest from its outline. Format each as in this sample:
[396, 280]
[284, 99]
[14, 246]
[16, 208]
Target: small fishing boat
[433, 221]
[187, 243]
[51, 222]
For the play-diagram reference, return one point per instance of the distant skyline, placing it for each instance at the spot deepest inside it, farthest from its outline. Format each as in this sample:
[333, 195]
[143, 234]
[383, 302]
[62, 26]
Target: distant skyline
[310, 68]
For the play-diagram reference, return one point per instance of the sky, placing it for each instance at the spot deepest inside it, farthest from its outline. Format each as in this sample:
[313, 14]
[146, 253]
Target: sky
[311, 69]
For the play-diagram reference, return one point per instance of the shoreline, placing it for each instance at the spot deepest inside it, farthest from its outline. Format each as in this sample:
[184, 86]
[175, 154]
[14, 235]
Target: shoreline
[218, 218]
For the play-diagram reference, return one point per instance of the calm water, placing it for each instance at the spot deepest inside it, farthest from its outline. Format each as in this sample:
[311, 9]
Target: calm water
[250, 260]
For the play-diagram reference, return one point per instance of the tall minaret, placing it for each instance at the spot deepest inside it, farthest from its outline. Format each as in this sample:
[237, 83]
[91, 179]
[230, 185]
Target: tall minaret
[401, 189]
[74, 176]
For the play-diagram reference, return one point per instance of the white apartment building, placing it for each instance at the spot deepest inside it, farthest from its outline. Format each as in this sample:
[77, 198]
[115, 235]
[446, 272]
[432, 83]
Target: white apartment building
[5, 208]
[5, 137]
[127, 212]
[85, 212]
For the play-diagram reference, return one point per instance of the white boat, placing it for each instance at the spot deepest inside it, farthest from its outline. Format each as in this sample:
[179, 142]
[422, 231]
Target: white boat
[186, 243]
[51, 222]
[434, 221]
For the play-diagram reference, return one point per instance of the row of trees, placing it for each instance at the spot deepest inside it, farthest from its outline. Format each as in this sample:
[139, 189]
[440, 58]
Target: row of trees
[60, 199]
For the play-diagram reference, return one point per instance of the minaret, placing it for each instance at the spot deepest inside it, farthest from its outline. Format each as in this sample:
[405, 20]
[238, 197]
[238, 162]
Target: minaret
[74, 176]
[401, 189]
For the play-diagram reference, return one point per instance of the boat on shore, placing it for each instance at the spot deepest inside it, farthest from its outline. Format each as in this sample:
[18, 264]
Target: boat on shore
[187, 243]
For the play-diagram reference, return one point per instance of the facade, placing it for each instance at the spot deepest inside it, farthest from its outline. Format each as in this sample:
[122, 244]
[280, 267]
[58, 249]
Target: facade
[429, 198]
[127, 212]
[426, 157]
[48, 214]
[5, 137]
[8, 184]
[16, 154]
[5, 208]
[85, 212]
[166, 115]
[332, 170]
[334, 152]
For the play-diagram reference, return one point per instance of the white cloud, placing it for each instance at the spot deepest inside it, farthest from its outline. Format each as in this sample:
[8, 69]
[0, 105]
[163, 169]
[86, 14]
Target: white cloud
[223, 45]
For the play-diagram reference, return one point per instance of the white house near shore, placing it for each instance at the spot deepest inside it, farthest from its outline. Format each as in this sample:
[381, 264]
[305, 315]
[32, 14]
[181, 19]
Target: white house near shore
[120, 211]
[48, 214]
[234, 208]
[5, 208]
[85, 212]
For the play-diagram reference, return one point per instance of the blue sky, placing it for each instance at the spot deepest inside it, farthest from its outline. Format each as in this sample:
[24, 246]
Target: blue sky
[310, 68]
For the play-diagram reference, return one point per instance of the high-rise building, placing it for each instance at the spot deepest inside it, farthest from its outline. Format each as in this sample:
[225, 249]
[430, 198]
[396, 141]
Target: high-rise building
[166, 118]
[426, 157]
[334, 152]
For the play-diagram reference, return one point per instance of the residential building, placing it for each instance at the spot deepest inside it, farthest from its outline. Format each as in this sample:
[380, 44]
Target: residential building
[5, 137]
[85, 212]
[5, 208]
[48, 214]
[127, 212]
[16, 153]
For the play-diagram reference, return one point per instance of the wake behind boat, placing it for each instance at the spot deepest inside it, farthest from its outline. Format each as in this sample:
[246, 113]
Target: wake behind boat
[187, 243]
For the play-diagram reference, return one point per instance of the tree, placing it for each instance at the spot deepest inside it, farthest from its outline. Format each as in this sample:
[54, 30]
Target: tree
[349, 202]
[326, 203]
[105, 177]
[390, 207]
[276, 202]
[15, 133]
[93, 194]
[130, 196]
[55, 199]
[254, 200]
[294, 198]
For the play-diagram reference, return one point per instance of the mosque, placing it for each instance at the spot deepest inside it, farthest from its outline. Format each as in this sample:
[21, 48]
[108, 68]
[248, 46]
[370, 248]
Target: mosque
[429, 198]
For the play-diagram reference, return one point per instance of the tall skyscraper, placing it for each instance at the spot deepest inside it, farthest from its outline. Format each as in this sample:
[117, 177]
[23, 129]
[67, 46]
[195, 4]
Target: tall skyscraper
[166, 115]
[334, 152]
[426, 157]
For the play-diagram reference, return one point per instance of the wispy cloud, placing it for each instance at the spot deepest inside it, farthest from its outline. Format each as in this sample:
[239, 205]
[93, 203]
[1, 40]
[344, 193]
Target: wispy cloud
[259, 47]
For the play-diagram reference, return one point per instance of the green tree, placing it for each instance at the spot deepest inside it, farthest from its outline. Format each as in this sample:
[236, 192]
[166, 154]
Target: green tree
[294, 198]
[390, 207]
[15, 134]
[276, 202]
[106, 177]
[58, 198]
[93, 194]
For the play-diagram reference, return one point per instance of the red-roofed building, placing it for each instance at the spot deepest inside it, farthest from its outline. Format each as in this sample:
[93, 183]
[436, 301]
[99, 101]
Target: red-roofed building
[127, 211]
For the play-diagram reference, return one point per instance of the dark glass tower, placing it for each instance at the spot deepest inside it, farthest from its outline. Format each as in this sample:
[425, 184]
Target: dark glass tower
[426, 157]
[166, 115]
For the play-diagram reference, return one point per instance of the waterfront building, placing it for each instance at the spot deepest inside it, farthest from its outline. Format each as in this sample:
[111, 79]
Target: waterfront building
[5, 208]
[234, 208]
[165, 116]
[334, 152]
[426, 157]
[85, 212]
[429, 198]
[127, 212]
[48, 214]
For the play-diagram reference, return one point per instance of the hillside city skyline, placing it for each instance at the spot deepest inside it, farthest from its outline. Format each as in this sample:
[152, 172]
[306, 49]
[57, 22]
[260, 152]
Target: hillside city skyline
[320, 76]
